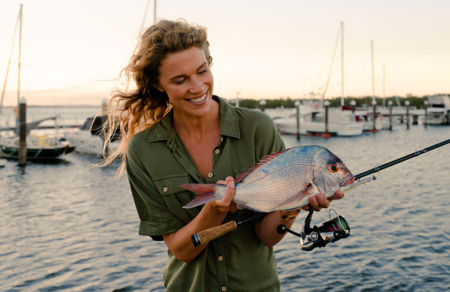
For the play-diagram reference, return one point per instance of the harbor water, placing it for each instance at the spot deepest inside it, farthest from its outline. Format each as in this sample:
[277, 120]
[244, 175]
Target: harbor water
[67, 226]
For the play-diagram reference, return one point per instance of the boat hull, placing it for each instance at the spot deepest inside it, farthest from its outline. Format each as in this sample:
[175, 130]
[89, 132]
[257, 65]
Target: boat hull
[289, 126]
[36, 153]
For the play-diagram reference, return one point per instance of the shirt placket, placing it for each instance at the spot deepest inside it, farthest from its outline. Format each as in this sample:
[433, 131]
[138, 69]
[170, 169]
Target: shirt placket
[217, 153]
[219, 254]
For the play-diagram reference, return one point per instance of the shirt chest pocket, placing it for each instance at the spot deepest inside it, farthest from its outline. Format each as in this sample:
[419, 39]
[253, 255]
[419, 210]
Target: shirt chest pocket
[176, 197]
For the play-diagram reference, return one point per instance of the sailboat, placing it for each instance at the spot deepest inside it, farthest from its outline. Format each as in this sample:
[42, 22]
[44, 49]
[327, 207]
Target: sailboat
[41, 146]
[312, 116]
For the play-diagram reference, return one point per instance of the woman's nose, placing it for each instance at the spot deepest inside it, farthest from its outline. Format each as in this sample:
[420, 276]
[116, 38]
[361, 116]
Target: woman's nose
[196, 85]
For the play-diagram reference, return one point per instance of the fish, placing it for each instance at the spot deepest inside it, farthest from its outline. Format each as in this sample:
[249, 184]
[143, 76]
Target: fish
[282, 181]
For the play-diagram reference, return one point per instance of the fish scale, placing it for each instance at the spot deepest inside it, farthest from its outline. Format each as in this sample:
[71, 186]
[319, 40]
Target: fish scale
[282, 181]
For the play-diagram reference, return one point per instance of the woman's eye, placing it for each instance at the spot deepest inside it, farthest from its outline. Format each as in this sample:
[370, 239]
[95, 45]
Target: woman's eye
[179, 82]
[203, 71]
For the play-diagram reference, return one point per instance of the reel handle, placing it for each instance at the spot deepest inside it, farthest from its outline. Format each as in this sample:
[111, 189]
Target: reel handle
[207, 235]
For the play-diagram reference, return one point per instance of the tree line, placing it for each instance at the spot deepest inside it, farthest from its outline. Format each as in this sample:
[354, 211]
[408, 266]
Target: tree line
[414, 101]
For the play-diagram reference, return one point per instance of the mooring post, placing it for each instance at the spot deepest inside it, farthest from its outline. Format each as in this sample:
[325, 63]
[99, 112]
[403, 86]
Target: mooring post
[262, 105]
[23, 132]
[374, 104]
[105, 130]
[426, 112]
[326, 104]
[353, 104]
[390, 115]
[297, 105]
[407, 114]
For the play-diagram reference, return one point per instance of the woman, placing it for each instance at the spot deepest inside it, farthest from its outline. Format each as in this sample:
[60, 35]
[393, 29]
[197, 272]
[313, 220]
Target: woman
[177, 132]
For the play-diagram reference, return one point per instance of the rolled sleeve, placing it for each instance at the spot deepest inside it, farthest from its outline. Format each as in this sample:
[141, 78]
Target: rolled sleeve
[156, 218]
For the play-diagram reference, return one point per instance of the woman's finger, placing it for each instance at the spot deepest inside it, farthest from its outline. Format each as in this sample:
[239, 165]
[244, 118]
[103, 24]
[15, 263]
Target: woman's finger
[229, 192]
[337, 196]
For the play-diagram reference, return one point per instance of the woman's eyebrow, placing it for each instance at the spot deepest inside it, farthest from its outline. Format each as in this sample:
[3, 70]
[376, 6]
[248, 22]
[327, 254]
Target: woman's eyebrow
[183, 75]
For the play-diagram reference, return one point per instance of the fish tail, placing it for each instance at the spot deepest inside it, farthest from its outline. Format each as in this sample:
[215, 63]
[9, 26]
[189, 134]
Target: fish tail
[206, 193]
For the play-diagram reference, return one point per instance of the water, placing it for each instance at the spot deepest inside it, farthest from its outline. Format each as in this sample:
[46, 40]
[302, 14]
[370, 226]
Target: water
[68, 227]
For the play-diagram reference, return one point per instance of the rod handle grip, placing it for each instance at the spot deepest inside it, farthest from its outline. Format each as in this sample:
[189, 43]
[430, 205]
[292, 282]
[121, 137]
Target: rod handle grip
[207, 235]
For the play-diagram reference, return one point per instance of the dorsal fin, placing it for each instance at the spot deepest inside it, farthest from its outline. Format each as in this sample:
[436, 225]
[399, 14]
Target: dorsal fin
[263, 160]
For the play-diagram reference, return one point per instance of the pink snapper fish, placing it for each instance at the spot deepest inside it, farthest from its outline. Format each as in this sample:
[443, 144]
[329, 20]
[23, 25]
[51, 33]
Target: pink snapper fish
[282, 181]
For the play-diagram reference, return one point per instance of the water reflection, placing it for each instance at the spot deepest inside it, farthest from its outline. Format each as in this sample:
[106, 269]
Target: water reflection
[70, 226]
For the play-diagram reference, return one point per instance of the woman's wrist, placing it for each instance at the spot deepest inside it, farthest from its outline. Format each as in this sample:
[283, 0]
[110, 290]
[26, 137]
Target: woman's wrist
[289, 215]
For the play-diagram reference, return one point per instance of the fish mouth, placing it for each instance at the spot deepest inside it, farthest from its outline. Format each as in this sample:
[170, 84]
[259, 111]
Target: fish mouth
[348, 180]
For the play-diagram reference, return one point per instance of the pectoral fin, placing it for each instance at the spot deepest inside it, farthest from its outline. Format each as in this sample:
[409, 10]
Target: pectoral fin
[300, 199]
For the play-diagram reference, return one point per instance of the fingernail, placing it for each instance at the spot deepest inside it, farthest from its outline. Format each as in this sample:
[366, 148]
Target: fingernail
[231, 184]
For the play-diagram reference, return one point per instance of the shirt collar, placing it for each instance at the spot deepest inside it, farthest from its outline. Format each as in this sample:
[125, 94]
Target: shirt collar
[229, 125]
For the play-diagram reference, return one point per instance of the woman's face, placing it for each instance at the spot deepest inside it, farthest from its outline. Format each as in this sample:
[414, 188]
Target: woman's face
[187, 79]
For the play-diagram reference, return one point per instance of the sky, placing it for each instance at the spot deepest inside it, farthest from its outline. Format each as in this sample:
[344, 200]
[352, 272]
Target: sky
[73, 51]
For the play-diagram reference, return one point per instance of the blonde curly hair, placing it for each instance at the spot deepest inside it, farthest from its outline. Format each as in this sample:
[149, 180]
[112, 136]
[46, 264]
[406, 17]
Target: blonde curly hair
[140, 108]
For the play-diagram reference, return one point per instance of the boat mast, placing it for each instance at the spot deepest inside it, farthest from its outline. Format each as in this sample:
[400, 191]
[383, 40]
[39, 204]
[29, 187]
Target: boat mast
[9, 61]
[373, 78]
[154, 12]
[20, 53]
[342, 64]
[384, 84]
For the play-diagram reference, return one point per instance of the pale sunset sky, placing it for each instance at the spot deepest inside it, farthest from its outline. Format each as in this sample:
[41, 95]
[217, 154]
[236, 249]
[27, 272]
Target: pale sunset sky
[72, 50]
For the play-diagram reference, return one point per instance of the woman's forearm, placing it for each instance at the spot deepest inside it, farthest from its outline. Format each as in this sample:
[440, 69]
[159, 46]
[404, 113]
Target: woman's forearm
[211, 215]
[266, 230]
[180, 243]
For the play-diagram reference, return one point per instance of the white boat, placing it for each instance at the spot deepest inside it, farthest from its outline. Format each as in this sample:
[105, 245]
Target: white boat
[365, 117]
[438, 110]
[312, 122]
[88, 140]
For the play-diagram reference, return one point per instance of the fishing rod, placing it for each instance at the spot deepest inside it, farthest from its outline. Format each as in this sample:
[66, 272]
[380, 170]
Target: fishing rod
[399, 160]
[207, 235]
[310, 238]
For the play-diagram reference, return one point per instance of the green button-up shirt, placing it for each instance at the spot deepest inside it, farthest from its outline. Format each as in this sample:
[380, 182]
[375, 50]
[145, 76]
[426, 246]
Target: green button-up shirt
[158, 162]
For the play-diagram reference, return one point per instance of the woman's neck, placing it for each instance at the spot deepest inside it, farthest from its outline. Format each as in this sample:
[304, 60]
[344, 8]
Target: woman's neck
[198, 128]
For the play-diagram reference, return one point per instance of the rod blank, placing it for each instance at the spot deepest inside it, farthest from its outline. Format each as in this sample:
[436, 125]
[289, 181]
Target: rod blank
[399, 160]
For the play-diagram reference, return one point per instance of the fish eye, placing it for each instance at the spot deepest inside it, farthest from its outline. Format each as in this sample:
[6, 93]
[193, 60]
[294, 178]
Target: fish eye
[333, 167]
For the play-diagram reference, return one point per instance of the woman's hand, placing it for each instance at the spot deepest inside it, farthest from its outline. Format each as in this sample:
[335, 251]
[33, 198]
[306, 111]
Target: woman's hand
[319, 201]
[211, 215]
[226, 204]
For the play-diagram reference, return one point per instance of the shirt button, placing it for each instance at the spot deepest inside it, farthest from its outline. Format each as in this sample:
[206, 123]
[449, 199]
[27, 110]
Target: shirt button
[221, 139]
[220, 258]
[210, 174]
[217, 151]
[165, 189]
[224, 288]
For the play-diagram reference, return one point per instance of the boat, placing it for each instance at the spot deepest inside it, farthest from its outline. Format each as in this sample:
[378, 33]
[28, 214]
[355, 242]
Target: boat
[312, 122]
[38, 146]
[438, 110]
[365, 117]
[88, 138]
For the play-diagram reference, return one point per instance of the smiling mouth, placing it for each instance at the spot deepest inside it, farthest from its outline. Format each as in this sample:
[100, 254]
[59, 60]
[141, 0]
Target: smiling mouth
[199, 99]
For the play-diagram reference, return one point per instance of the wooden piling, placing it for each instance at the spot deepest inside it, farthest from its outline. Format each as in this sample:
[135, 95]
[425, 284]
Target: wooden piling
[23, 132]
[262, 105]
[353, 104]
[426, 113]
[326, 104]
[374, 129]
[407, 114]
[390, 115]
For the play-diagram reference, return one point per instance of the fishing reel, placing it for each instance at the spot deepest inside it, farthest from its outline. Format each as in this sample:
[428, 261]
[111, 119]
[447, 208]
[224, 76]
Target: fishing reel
[328, 232]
